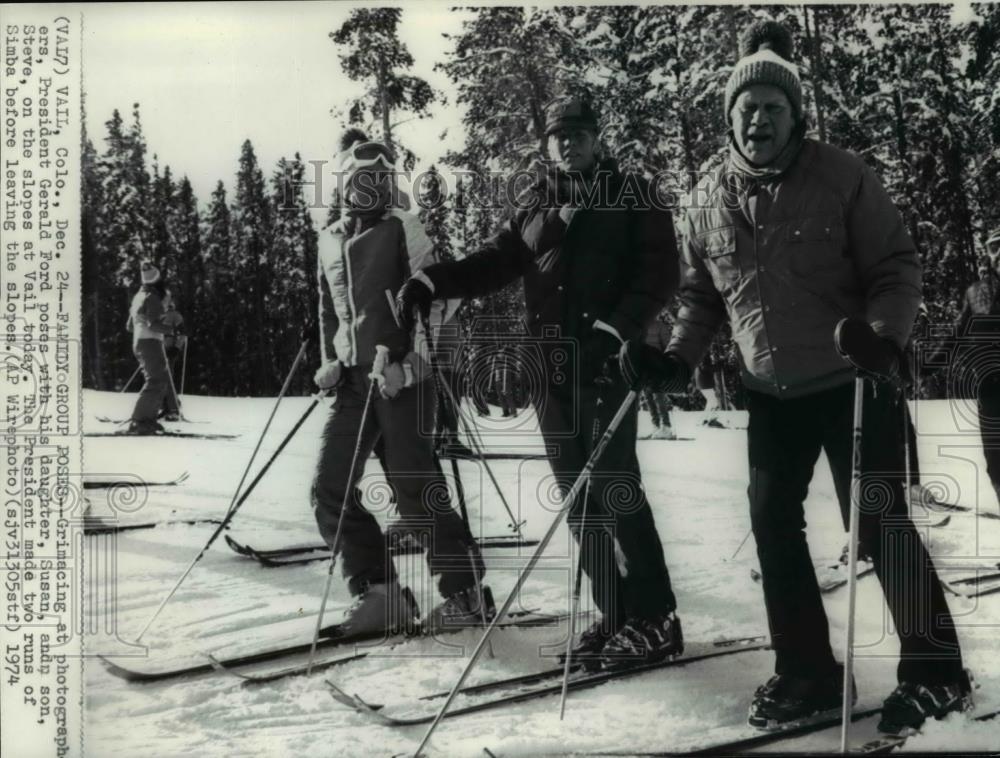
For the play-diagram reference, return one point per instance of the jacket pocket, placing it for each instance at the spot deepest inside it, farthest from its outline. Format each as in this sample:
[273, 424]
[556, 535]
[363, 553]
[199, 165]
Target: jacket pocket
[720, 255]
[817, 242]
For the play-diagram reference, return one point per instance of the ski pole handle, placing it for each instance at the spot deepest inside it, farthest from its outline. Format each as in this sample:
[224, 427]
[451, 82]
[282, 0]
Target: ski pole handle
[377, 374]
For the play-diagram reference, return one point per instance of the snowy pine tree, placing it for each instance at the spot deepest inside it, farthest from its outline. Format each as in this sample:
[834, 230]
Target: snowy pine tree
[374, 54]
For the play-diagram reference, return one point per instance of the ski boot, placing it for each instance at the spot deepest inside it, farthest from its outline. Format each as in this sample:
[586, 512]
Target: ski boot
[664, 433]
[172, 416]
[144, 427]
[909, 705]
[463, 609]
[380, 610]
[641, 641]
[590, 644]
[786, 699]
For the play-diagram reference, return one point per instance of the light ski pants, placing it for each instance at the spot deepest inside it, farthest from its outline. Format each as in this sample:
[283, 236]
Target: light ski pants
[156, 384]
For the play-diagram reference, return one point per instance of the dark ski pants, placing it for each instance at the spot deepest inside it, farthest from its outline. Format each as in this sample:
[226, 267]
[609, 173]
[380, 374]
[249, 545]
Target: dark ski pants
[785, 440]
[989, 430]
[412, 471]
[621, 554]
[156, 384]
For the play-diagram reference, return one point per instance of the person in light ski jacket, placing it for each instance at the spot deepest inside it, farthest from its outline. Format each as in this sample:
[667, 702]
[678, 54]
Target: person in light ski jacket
[145, 322]
[793, 240]
[372, 249]
[598, 261]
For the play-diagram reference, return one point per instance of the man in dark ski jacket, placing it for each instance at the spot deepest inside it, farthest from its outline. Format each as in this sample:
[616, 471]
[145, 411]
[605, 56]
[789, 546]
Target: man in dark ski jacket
[787, 239]
[598, 262]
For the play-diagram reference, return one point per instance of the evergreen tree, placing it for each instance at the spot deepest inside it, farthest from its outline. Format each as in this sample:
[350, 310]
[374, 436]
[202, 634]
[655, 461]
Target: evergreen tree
[375, 55]
[215, 330]
[160, 211]
[253, 233]
[95, 271]
[295, 301]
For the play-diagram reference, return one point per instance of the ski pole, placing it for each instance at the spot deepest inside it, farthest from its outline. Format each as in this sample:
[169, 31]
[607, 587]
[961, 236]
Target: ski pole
[749, 532]
[474, 438]
[348, 498]
[905, 415]
[131, 378]
[274, 410]
[184, 363]
[852, 562]
[235, 505]
[575, 602]
[522, 577]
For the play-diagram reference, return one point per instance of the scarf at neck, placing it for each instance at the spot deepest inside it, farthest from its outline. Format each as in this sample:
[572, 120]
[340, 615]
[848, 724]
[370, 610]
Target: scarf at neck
[739, 164]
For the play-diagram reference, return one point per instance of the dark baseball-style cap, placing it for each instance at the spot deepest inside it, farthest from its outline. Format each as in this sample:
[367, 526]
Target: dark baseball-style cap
[570, 113]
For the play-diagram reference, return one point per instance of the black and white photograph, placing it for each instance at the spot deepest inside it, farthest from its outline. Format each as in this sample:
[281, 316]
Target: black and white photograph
[415, 379]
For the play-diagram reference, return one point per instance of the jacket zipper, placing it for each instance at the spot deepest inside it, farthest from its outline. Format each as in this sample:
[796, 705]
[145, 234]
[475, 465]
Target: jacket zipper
[352, 338]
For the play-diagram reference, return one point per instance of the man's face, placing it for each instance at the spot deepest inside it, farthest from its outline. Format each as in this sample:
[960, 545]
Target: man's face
[762, 122]
[574, 149]
[368, 189]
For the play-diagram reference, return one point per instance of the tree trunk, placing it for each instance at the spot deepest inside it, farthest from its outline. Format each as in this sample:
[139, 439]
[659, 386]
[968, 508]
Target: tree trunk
[384, 99]
[815, 61]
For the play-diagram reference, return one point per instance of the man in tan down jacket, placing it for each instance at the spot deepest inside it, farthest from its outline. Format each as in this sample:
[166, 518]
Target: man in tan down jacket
[788, 238]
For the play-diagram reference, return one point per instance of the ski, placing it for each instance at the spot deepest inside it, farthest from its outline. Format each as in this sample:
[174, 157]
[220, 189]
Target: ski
[165, 433]
[974, 586]
[109, 420]
[520, 618]
[937, 505]
[98, 526]
[299, 554]
[546, 683]
[888, 743]
[799, 728]
[469, 455]
[95, 484]
[831, 580]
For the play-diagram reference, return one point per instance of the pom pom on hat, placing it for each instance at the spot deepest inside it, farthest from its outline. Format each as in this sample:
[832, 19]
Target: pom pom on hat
[352, 135]
[765, 58]
[766, 35]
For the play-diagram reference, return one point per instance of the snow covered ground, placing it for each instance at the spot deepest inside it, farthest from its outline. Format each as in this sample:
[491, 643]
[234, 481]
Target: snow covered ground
[698, 492]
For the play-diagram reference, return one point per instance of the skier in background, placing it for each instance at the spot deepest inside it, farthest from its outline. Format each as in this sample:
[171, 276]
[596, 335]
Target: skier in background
[503, 381]
[173, 346]
[790, 237]
[374, 247]
[147, 328]
[657, 403]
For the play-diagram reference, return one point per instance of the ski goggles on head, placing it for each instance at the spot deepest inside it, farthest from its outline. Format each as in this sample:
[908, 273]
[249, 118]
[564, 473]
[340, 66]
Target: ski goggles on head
[366, 154]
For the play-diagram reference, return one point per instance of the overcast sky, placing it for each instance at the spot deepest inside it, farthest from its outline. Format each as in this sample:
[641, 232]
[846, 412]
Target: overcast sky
[209, 75]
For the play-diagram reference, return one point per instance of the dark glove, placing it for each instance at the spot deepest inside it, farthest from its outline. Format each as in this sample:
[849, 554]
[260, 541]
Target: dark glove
[599, 352]
[878, 357]
[642, 365]
[414, 295]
